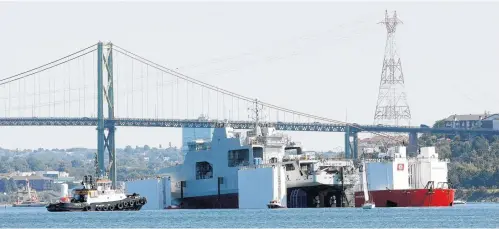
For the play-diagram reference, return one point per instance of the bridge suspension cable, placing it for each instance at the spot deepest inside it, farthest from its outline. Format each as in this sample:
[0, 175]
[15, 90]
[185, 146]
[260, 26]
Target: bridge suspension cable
[50, 90]
[69, 90]
[236, 95]
[66, 58]
[215, 88]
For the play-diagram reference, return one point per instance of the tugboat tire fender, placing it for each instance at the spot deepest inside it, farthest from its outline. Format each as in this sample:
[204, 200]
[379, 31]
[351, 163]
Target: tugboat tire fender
[105, 208]
[125, 203]
[111, 207]
[119, 205]
[97, 208]
[132, 202]
[87, 208]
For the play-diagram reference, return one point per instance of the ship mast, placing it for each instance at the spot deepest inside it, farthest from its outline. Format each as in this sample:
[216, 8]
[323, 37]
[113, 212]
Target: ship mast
[256, 112]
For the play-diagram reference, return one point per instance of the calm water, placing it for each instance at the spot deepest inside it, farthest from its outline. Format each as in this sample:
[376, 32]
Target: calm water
[470, 215]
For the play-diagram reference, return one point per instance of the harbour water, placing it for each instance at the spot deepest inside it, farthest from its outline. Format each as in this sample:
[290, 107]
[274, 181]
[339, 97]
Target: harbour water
[471, 215]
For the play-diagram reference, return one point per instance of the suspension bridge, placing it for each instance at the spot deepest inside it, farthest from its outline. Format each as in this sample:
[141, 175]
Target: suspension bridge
[107, 86]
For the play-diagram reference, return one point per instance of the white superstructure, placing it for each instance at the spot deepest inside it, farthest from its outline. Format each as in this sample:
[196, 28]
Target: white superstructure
[208, 178]
[389, 172]
[427, 167]
[156, 190]
[395, 171]
[101, 194]
[257, 186]
[64, 190]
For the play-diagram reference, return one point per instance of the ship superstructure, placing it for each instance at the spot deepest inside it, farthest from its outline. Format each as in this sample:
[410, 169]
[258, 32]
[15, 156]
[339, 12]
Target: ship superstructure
[399, 181]
[208, 178]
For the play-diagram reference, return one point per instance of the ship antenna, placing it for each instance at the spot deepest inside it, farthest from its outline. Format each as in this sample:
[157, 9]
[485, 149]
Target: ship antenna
[256, 112]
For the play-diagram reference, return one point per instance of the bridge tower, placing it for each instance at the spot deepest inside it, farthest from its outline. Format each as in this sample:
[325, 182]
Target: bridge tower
[105, 130]
[392, 107]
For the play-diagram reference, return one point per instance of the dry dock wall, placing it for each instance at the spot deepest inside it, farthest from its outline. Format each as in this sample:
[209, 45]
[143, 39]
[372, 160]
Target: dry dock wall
[156, 190]
[258, 186]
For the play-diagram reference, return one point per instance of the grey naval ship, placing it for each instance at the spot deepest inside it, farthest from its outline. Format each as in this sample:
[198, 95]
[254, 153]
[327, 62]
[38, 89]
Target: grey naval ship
[208, 177]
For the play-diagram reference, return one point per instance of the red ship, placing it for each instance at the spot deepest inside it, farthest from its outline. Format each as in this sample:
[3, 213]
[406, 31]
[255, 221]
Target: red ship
[427, 197]
[397, 181]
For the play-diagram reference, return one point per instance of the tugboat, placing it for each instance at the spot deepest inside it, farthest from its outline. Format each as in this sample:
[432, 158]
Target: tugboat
[32, 198]
[98, 196]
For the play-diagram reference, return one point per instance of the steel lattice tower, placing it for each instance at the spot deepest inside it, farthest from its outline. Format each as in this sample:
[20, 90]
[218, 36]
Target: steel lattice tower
[392, 107]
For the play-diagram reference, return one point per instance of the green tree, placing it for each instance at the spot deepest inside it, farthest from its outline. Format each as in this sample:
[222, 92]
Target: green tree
[76, 163]
[439, 124]
[481, 145]
[443, 149]
[128, 149]
[5, 167]
[12, 185]
[20, 165]
[62, 167]
[6, 185]
[34, 164]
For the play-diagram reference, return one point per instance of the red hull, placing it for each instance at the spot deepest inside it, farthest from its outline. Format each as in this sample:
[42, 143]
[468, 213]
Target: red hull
[408, 198]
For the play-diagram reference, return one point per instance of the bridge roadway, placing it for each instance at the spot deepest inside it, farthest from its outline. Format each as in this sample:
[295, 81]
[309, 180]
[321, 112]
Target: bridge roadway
[195, 123]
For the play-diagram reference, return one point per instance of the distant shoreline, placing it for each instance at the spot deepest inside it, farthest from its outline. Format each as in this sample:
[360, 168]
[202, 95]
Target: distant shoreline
[478, 195]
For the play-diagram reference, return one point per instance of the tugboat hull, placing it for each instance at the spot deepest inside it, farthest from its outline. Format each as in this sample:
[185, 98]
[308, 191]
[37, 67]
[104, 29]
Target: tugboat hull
[128, 204]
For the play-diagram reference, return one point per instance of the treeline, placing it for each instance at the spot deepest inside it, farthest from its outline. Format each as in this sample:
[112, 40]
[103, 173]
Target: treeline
[10, 185]
[474, 161]
[133, 162]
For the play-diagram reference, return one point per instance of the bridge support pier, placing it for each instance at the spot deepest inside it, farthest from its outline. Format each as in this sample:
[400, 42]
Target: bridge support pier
[355, 146]
[100, 113]
[347, 143]
[412, 148]
[351, 150]
[105, 142]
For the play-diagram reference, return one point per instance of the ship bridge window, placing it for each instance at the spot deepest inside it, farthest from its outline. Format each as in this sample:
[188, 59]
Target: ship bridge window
[79, 198]
[290, 167]
[204, 170]
[293, 150]
[306, 167]
[198, 145]
[257, 152]
[238, 157]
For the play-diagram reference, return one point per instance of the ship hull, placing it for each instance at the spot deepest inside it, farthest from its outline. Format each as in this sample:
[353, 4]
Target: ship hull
[209, 202]
[127, 204]
[408, 198]
[304, 199]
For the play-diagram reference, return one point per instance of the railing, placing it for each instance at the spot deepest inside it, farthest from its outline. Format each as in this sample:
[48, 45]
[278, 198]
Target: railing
[273, 165]
[194, 123]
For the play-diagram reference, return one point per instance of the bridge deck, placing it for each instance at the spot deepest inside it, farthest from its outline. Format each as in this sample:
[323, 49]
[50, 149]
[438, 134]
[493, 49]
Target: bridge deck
[194, 123]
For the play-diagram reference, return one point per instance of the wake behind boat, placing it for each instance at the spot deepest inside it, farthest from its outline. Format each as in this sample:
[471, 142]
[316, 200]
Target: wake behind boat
[459, 202]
